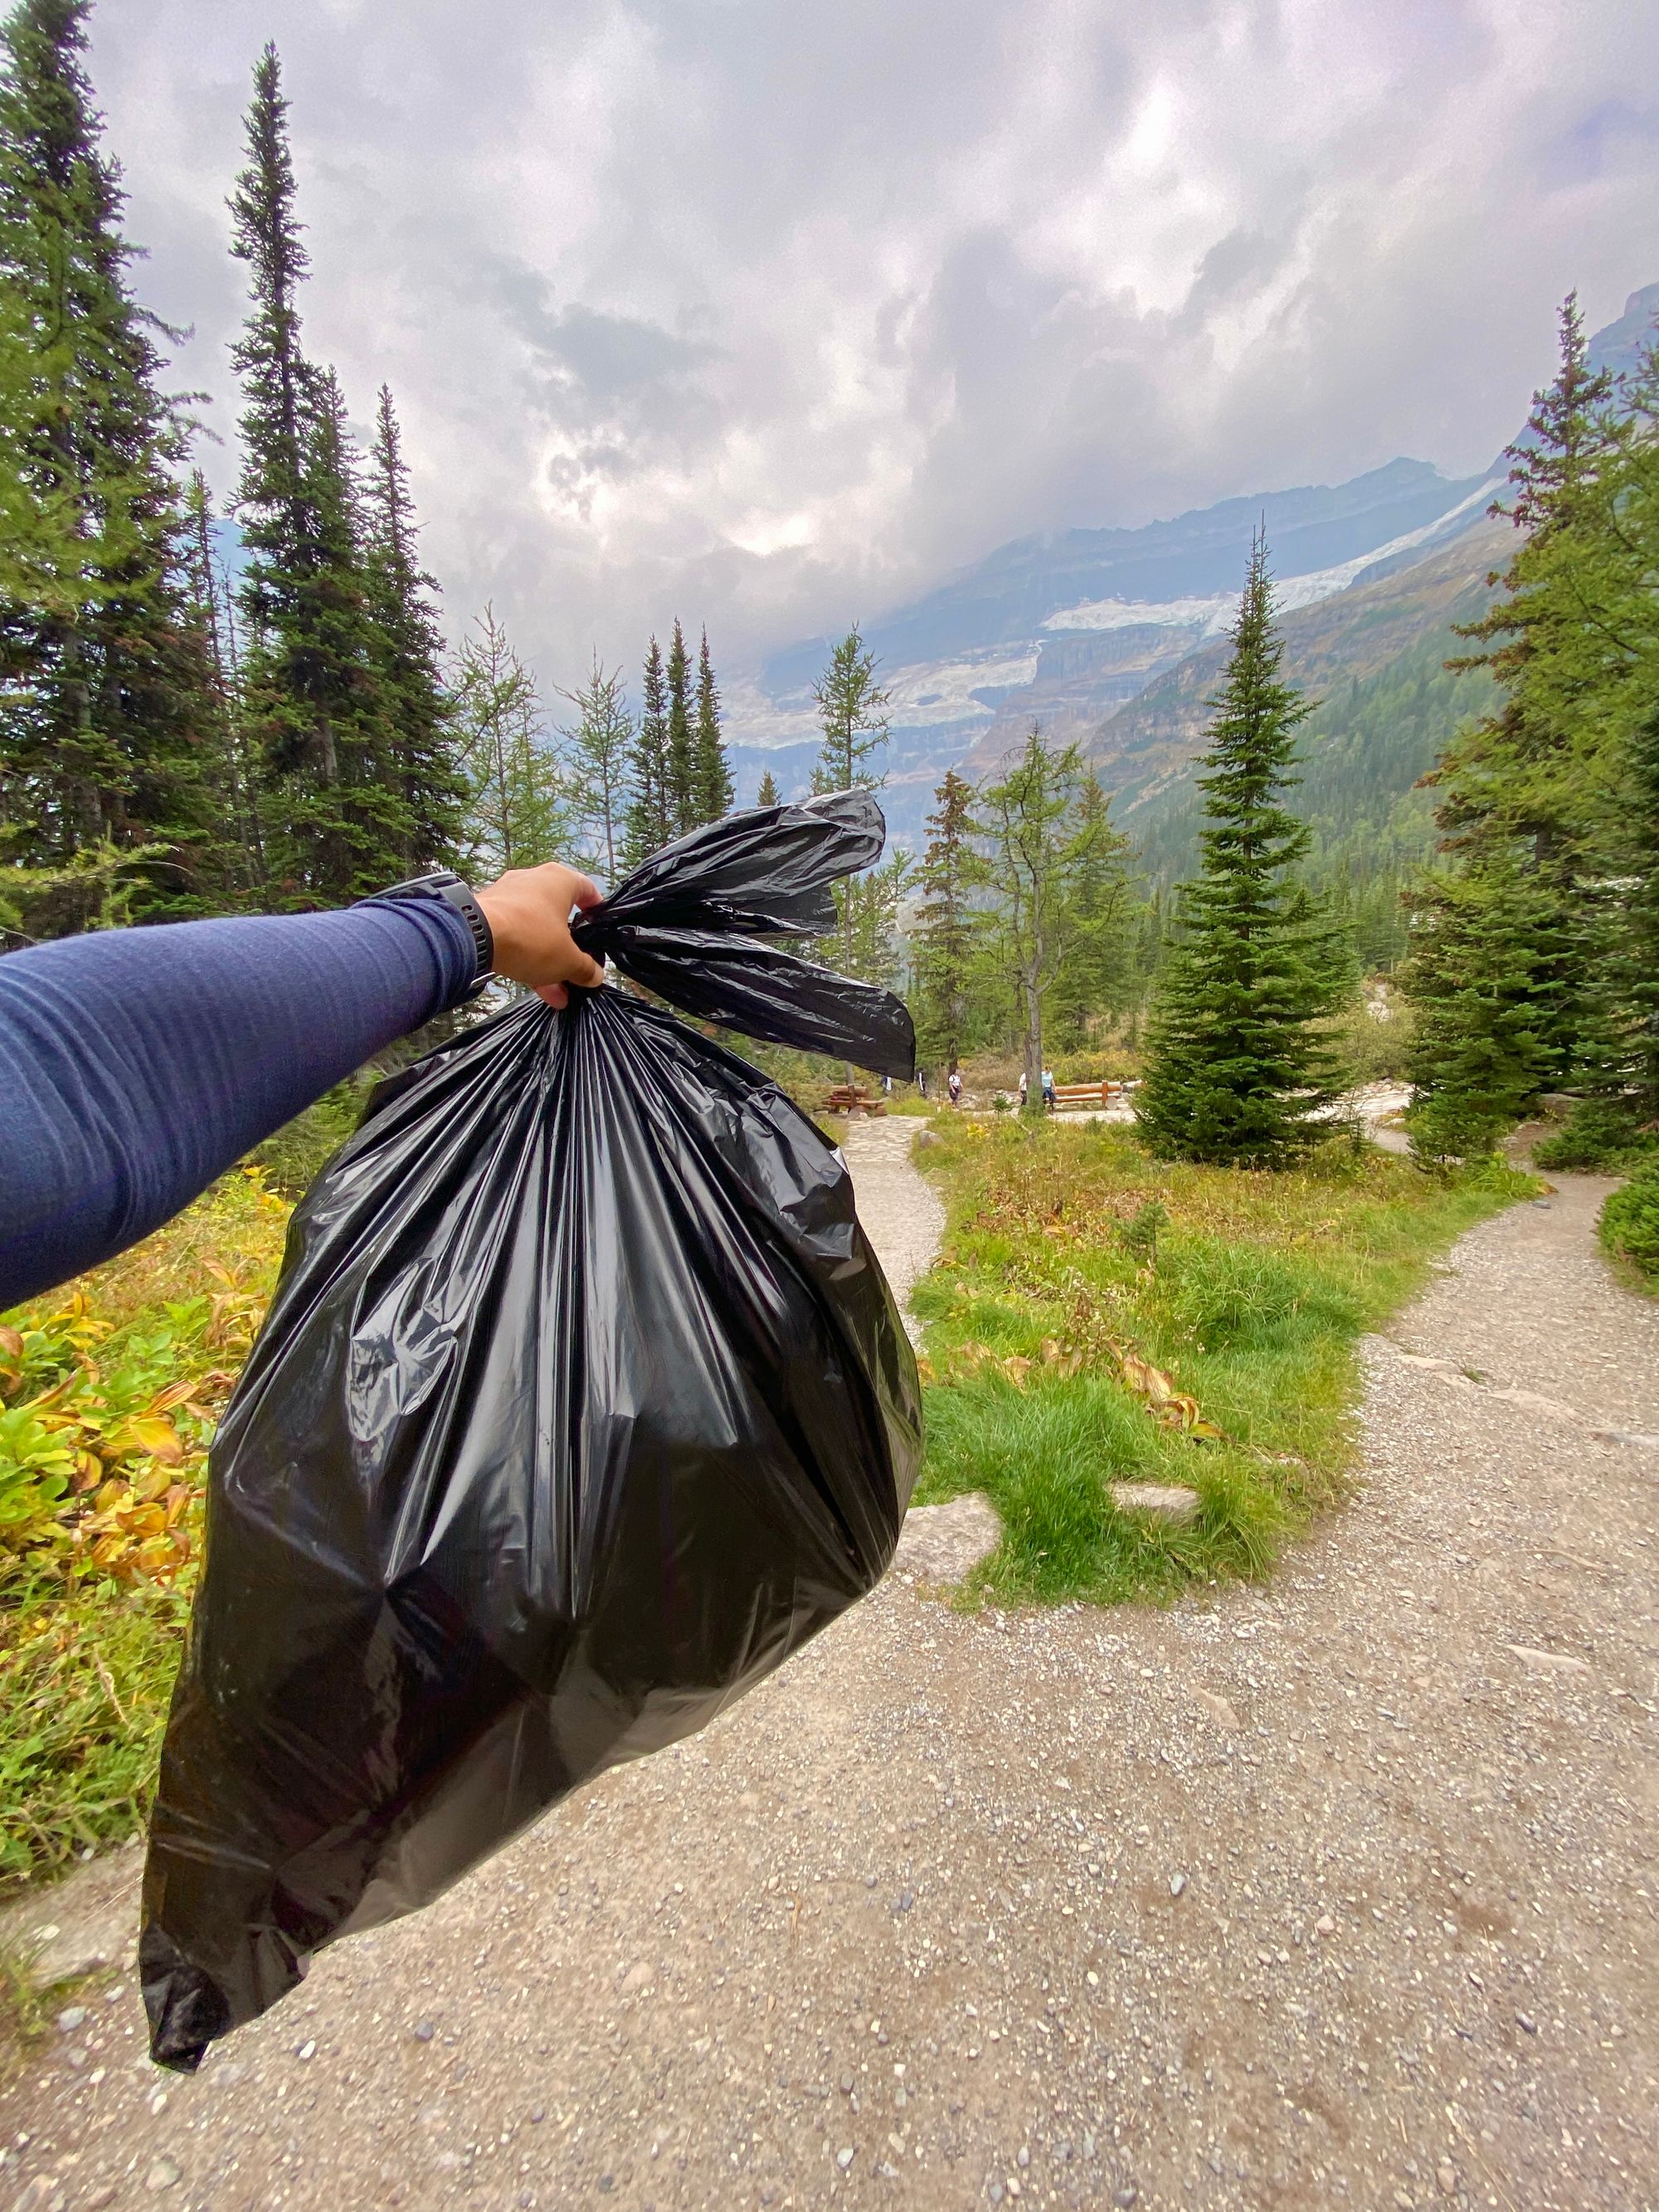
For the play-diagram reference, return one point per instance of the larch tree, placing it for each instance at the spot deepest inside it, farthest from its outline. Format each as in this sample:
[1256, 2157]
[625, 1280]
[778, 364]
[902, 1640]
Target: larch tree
[682, 770]
[598, 748]
[853, 717]
[520, 809]
[1238, 1070]
[1096, 973]
[1034, 842]
[767, 795]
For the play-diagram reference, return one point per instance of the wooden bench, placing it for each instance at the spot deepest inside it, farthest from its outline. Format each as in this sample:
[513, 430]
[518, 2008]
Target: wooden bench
[853, 1099]
[1089, 1094]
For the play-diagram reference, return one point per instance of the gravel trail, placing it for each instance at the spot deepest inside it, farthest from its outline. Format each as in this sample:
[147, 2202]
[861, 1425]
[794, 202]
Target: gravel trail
[1337, 1893]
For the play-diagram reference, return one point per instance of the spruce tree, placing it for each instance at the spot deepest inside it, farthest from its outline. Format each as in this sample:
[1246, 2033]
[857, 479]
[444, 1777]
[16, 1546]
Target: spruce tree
[315, 702]
[651, 823]
[101, 739]
[768, 794]
[410, 648]
[1236, 1068]
[682, 769]
[1519, 808]
[711, 770]
[948, 939]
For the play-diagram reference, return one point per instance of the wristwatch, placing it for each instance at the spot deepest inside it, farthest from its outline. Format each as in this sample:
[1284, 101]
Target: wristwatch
[444, 883]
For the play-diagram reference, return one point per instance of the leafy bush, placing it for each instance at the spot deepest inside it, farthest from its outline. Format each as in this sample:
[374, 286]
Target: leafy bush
[1599, 1136]
[1371, 1049]
[108, 1394]
[1630, 1223]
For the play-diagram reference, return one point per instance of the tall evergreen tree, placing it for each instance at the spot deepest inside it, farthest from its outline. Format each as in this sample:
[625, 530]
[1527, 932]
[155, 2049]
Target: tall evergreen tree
[599, 747]
[1237, 1069]
[711, 770]
[767, 795]
[681, 801]
[401, 602]
[101, 740]
[1504, 926]
[651, 820]
[949, 930]
[316, 705]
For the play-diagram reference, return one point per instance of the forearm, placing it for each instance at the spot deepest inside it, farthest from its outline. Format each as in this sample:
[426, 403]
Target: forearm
[137, 1065]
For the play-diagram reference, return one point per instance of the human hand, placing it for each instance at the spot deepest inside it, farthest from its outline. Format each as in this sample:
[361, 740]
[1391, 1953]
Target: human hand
[528, 910]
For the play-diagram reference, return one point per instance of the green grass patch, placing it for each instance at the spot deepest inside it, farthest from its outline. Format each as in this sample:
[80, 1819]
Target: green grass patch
[1630, 1227]
[1095, 1313]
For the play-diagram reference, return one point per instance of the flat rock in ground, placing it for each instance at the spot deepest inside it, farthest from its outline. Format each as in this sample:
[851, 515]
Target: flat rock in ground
[77, 1926]
[1161, 1501]
[942, 1543]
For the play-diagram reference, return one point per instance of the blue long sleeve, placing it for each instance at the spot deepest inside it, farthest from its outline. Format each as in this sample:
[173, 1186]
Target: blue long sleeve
[136, 1064]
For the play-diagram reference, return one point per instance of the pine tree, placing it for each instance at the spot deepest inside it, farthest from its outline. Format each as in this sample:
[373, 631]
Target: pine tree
[599, 745]
[651, 822]
[316, 706]
[711, 770]
[1236, 1069]
[1643, 961]
[101, 741]
[768, 794]
[947, 945]
[682, 772]
[409, 649]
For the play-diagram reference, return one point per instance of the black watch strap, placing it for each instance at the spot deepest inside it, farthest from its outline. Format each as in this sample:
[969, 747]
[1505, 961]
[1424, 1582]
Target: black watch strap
[444, 883]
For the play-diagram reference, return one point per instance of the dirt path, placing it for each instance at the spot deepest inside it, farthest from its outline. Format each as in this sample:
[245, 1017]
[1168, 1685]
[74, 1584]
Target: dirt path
[1337, 1893]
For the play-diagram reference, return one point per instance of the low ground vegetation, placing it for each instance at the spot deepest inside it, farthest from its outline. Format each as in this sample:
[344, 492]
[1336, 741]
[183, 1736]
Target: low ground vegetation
[109, 1391]
[1099, 1316]
[1630, 1226]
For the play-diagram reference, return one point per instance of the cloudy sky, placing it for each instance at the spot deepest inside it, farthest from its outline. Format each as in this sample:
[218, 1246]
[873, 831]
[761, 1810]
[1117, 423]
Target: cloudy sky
[772, 315]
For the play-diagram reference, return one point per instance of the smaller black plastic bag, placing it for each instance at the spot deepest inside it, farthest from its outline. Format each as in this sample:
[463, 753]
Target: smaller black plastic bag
[581, 1404]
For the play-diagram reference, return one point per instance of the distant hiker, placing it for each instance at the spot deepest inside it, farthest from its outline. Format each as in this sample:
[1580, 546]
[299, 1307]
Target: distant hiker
[956, 1086]
[1025, 1089]
[1049, 1099]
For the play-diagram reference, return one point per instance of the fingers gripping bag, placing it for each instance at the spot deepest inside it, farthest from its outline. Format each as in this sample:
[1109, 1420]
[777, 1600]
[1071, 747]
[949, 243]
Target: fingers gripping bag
[581, 1404]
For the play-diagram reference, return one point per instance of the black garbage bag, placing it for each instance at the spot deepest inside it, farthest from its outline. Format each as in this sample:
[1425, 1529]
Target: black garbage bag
[581, 1404]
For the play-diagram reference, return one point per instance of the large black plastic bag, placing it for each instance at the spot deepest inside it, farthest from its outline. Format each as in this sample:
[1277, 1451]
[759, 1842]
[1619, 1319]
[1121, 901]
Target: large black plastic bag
[581, 1404]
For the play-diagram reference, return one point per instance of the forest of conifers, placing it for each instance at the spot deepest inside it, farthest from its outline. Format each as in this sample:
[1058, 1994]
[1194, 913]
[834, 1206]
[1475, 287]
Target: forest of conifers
[201, 719]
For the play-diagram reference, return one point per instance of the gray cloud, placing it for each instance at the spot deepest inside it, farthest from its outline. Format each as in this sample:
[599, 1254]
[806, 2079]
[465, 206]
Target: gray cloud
[771, 315]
